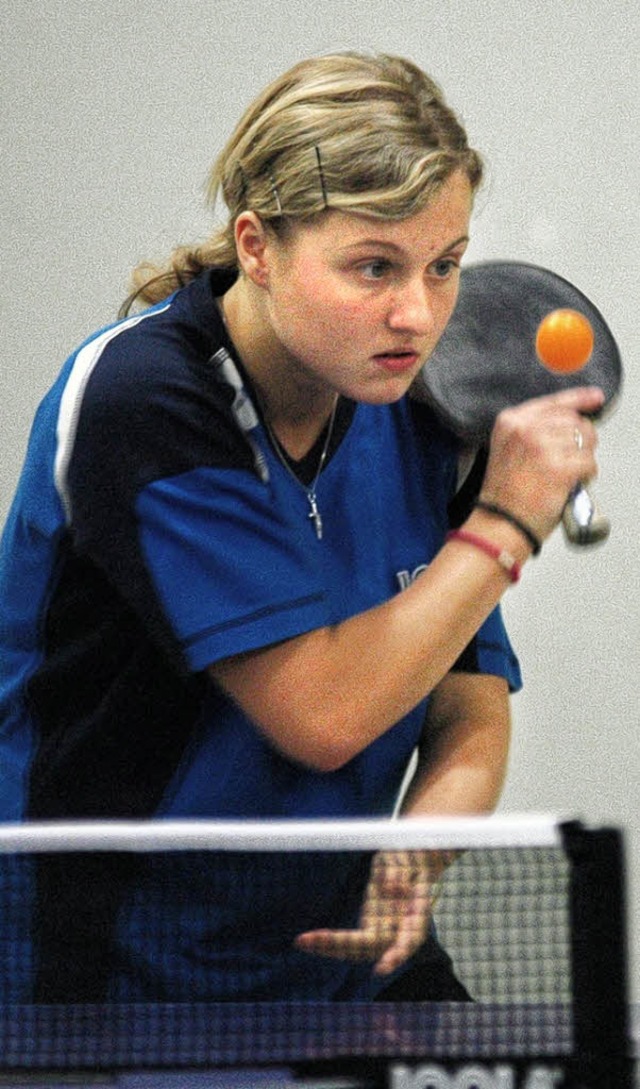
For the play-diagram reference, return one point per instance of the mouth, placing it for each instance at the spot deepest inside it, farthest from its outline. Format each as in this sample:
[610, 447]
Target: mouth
[398, 362]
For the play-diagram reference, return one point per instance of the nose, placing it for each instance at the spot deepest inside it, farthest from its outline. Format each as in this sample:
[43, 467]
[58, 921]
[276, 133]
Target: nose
[412, 309]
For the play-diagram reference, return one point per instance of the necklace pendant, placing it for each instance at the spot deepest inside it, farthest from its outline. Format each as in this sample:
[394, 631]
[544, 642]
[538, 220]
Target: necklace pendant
[315, 515]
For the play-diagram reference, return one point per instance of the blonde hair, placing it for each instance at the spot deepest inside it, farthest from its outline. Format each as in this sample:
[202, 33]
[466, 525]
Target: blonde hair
[368, 135]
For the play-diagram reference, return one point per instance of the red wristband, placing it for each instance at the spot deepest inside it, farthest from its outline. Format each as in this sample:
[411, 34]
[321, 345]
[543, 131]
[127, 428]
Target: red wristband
[504, 558]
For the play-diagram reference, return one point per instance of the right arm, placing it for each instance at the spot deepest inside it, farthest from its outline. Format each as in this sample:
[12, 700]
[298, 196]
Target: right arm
[322, 697]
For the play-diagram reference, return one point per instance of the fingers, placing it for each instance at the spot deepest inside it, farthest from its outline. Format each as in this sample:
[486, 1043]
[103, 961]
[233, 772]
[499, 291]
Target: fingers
[377, 923]
[413, 925]
[583, 399]
[352, 945]
[539, 451]
[394, 919]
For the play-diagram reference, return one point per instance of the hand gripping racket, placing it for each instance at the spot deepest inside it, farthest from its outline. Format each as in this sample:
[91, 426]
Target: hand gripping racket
[486, 361]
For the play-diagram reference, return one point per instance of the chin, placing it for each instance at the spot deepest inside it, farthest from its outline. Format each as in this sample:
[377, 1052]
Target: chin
[387, 396]
[389, 391]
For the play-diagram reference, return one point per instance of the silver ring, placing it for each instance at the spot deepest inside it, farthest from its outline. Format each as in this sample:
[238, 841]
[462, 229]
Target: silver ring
[578, 438]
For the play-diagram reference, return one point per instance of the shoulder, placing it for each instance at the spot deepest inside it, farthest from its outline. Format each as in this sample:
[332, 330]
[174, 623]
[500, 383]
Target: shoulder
[163, 350]
[143, 400]
[149, 381]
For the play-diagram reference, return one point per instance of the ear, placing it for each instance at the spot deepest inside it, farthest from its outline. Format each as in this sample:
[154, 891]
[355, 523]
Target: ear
[252, 247]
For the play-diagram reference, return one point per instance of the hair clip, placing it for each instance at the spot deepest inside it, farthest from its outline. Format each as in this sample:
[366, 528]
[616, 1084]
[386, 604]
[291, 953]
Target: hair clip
[276, 195]
[321, 173]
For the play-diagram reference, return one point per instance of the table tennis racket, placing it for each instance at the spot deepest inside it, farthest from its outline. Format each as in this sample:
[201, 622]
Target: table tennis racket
[486, 361]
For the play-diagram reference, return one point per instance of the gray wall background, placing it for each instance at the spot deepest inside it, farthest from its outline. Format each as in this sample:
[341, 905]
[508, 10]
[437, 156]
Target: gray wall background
[111, 114]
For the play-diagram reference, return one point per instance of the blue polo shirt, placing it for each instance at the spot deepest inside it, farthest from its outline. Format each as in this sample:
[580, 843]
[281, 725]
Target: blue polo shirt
[155, 531]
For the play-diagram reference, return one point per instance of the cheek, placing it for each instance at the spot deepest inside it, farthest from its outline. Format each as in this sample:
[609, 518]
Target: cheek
[301, 289]
[446, 311]
[325, 307]
[443, 307]
[443, 315]
[350, 326]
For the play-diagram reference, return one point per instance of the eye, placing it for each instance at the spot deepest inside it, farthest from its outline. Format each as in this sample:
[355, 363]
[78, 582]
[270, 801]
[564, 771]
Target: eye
[445, 266]
[376, 269]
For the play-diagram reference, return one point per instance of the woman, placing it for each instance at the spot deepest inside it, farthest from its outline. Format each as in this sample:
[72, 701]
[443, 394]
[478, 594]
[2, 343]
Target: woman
[228, 586]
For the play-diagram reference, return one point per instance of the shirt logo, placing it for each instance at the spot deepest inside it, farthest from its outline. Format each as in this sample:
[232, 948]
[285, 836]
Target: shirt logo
[405, 578]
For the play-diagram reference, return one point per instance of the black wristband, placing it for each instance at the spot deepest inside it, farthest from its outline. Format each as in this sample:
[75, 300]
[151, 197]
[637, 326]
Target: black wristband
[493, 508]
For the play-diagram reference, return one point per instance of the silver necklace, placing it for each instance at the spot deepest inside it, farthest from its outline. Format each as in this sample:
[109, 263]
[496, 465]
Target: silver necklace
[312, 499]
[310, 492]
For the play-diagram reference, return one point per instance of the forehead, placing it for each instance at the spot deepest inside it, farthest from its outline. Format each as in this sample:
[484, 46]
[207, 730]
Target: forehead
[442, 223]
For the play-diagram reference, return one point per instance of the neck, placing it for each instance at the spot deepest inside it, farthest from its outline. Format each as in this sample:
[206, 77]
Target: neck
[295, 405]
[297, 440]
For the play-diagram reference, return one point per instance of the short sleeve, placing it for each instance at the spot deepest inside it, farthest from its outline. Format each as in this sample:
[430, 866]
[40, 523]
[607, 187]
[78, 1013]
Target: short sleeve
[229, 563]
[490, 651]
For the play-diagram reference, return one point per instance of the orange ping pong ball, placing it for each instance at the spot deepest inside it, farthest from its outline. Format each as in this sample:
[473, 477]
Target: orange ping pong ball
[564, 341]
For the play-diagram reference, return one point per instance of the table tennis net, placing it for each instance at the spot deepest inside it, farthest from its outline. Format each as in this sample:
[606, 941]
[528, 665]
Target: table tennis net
[149, 945]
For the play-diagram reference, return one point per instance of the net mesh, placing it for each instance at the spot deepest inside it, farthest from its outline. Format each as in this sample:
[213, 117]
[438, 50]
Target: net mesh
[148, 956]
[503, 917]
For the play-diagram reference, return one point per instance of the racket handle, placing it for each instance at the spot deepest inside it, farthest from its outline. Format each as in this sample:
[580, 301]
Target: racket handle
[582, 522]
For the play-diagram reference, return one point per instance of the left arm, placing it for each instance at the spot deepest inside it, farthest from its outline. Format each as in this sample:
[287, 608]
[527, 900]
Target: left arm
[462, 758]
[461, 768]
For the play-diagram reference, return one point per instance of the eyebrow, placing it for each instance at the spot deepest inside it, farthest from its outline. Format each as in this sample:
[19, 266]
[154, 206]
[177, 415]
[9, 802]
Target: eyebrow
[379, 243]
